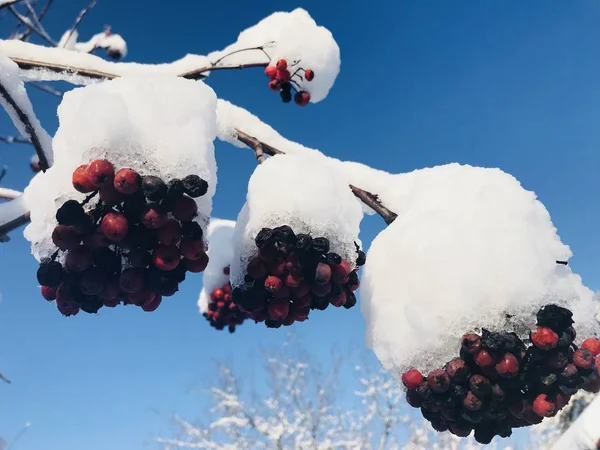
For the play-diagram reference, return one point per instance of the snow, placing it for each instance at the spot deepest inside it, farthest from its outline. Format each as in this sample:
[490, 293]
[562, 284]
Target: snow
[162, 126]
[9, 193]
[469, 246]
[293, 35]
[104, 40]
[304, 192]
[12, 210]
[10, 79]
[220, 253]
[584, 433]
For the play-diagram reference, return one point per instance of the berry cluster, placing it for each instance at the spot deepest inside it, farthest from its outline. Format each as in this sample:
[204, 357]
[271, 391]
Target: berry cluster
[222, 311]
[499, 383]
[282, 81]
[134, 245]
[293, 274]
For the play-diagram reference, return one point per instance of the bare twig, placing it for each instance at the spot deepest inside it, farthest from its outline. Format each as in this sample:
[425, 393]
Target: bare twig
[198, 74]
[8, 3]
[29, 128]
[46, 88]
[15, 140]
[3, 172]
[3, 378]
[32, 26]
[79, 18]
[27, 32]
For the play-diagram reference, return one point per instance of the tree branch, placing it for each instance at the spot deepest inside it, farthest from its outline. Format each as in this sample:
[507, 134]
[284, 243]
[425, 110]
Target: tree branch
[32, 26]
[27, 32]
[8, 194]
[29, 128]
[79, 18]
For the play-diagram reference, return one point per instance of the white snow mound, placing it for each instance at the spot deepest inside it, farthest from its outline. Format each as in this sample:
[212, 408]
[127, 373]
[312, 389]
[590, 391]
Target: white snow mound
[295, 37]
[220, 252]
[163, 126]
[469, 247]
[305, 192]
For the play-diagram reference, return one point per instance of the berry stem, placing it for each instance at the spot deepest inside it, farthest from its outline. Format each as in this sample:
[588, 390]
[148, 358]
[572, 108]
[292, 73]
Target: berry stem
[89, 198]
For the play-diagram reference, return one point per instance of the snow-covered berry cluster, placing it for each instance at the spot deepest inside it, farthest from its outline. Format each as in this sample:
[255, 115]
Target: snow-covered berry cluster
[133, 245]
[222, 311]
[282, 81]
[499, 383]
[293, 274]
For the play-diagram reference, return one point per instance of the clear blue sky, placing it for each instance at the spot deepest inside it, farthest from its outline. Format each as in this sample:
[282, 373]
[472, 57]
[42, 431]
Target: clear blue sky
[497, 83]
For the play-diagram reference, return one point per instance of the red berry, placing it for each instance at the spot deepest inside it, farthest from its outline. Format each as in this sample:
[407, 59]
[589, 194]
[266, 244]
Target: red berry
[279, 309]
[114, 226]
[353, 287]
[154, 217]
[458, 370]
[112, 289]
[309, 75]
[191, 249]
[484, 359]
[544, 338]
[543, 406]
[275, 85]
[471, 343]
[561, 400]
[79, 259]
[170, 232]
[132, 280]
[153, 305]
[80, 180]
[96, 240]
[438, 381]
[472, 402]
[273, 284]
[338, 300]
[226, 270]
[49, 293]
[65, 237]
[304, 302]
[166, 257]
[227, 289]
[92, 281]
[198, 265]
[508, 367]
[480, 386]
[593, 345]
[322, 273]
[142, 297]
[321, 290]
[460, 430]
[127, 181]
[301, 291]
[100, 173]
[583, 359]
[271, 72]
[412, 379]
[413, 398]
[185, 209]
[283, 75]
[111, 302]
[67, 310]
[256, 269]
[302, 98]
[340, 272]
[110, 196]
[281, 64]
[218, 293]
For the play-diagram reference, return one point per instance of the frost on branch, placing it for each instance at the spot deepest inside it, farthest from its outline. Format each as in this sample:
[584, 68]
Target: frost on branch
[15, 101]
[154, 125]
[470, 248]
[220, 251]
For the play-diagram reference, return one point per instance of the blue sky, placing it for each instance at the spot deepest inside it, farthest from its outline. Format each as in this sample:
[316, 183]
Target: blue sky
[504, 84]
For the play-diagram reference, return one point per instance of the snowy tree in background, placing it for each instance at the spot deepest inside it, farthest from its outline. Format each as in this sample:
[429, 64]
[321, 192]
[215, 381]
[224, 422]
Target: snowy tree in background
[482, 301]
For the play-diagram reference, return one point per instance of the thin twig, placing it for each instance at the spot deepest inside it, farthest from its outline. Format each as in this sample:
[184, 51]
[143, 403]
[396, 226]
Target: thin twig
[3, 378]
[25, 21]
[9, 3]
[28, 64]
[13, 224]
[37, 22]
[3, 173]
[15, 140]
[79, 18]
[27, 32]
[29, 128]
[46, 88]
[198, 74]
[367, 198]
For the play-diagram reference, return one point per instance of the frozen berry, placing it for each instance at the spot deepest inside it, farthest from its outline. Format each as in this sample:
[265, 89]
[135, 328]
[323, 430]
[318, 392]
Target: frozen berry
[153, 305]
[153, 217]
[480, 386]
[256, 269]
[471, 343]
[198, 265]
[593, 345]
[91, 304]
[484, 359]
[65, 237]
[350, 300]
[340, 272]
[114, 226]
[132, 280]
[185, 209]
[286, 96]
[195, 186]
[153, 188]
[309, 75]
[472, 402]
[80, 180]
[273, 284]
[275, 85]
[49, 293]
[438, 381]
[100, 173]
[543, 406]
[110, 195]
[281, 64]
[412, 379]
[127, 181]
[320, 290]
[544, 338]
[79, 259]
[50, 273]
[192, 250]
[92, 281]
[583, 359]
[458, 370]
[339, 299]
[508, 367]
[67, 310]
[112, 289]
[226, 271]
[166, 257]
[302, 98]
[271, 72]
[322, 273]
[142, 297]
[279, 309]
[69, 213]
